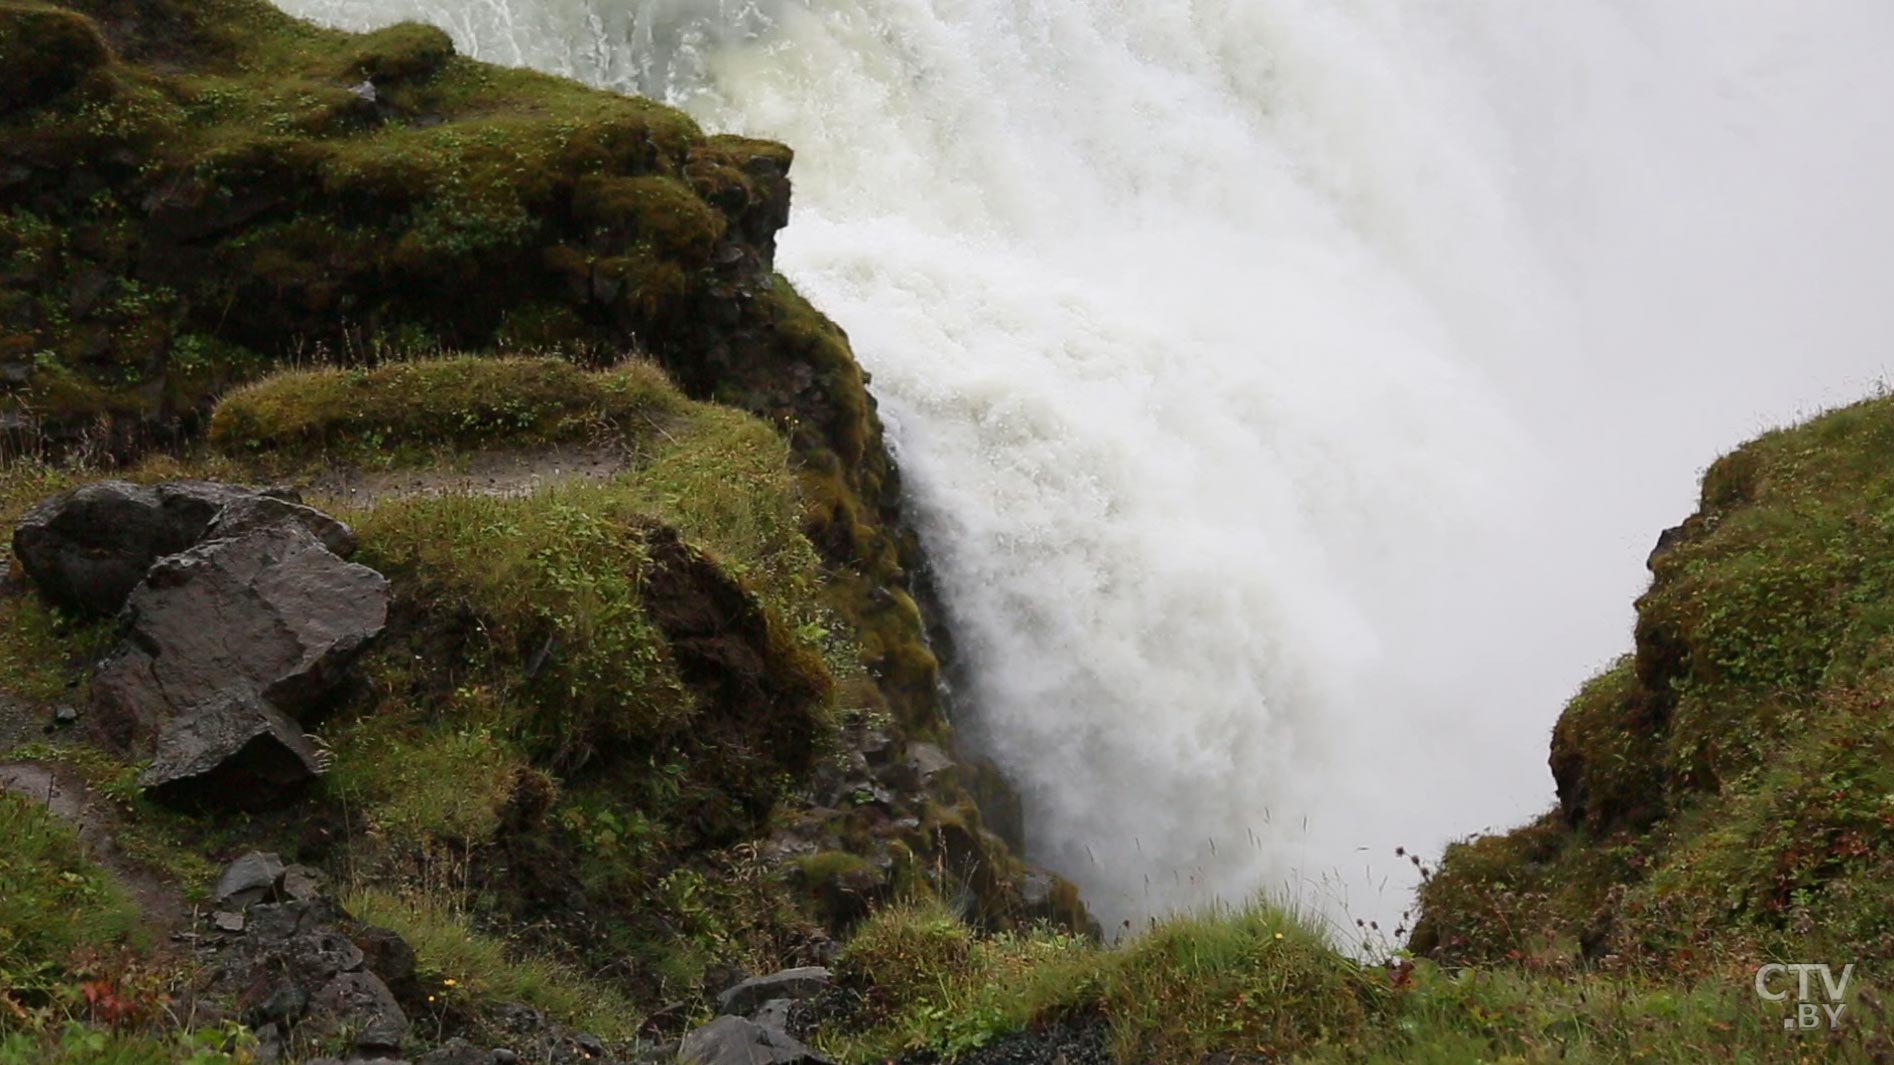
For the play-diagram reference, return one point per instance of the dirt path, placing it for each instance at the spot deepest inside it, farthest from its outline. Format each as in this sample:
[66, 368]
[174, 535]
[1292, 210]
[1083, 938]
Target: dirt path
[497, 473]
[68, 797]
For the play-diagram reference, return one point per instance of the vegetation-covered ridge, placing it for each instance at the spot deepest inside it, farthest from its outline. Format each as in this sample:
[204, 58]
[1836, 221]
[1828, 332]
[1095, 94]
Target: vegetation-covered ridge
[653, 705]
[195, 191]
[1726, 790]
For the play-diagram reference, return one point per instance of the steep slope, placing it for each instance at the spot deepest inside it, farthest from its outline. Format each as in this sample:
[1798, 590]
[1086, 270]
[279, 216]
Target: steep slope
[667, 716]
[1728, 788]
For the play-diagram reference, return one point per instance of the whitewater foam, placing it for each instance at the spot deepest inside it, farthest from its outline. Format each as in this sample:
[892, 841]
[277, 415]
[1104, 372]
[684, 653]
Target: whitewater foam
[1287, 390]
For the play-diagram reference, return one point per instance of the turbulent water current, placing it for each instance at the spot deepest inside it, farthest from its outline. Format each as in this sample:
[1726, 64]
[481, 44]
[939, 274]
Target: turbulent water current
[1288, 391]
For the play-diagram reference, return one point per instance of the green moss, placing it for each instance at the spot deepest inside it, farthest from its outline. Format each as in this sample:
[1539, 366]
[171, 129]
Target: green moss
[1255, 984]
[406, 51]
[558, 570]
[1723, 788]
[1250, 982]
[463, 402]
[238, 190]
[44, 52]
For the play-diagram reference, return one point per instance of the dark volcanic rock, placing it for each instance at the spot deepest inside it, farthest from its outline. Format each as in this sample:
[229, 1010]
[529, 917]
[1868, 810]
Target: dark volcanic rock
[88, 548]
[248, 513]
[794, 984]
[735, 1041]
[360, 1004]
[233, 751]
[272, 611]
[251, 878]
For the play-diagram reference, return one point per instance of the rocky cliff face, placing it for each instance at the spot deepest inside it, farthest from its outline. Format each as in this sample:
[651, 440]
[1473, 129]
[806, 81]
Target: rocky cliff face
[656, 676]
[1726, 786]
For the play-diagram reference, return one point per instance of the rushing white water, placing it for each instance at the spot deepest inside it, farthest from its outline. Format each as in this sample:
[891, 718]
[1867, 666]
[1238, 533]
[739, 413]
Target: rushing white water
[1288, 389]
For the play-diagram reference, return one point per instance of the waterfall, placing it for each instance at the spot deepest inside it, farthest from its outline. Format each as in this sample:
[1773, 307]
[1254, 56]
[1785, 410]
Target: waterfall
[1289, 390]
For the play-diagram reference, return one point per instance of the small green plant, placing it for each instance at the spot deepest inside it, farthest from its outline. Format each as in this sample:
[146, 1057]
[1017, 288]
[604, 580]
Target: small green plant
[54, 903]
[465, 971]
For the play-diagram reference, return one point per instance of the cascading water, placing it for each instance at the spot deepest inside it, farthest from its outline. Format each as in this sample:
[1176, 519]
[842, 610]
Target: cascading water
[1287, 390]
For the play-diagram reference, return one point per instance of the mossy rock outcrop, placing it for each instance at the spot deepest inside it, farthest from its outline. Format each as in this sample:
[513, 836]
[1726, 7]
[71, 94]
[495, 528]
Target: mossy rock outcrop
[237, 246]
[195, 191]
[1729, 786]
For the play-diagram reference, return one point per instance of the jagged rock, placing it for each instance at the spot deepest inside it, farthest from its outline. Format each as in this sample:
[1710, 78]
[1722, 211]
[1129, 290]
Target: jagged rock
[316, 956]
[360, 1004]
[736, 1041]
[779, 1013]
[247, 513]
[388, 956]
[301, 883]
[249, 879]
[235, 751]
[285, 1006]
[793, 984]
[88, 548]
[280, 921]
[272, 611]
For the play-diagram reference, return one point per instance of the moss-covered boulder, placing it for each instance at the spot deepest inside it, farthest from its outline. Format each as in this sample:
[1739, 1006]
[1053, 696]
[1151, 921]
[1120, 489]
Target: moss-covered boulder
[1728, 787]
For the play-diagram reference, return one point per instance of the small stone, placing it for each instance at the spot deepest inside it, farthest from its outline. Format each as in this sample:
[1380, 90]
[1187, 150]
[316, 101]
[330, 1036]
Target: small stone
[226, 921]
[66, 715]
[302, 883]
[249, 880]
[365, 90]
[503, 1056]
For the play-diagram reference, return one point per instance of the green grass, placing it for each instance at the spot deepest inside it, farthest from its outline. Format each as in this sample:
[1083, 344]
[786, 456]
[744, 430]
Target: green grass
[1255, 984]
[54, 903]
[461, 402]
[465, 971]
[76, 1044]
[1724, 790]
[418, 787]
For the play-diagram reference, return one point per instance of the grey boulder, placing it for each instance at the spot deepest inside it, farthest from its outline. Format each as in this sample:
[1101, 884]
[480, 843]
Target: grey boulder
[271, 611]
[88, 548]
[232, 751]
[794, 984]
[735, 1041]
[248, 513]
[250, 879]
[358, 1004]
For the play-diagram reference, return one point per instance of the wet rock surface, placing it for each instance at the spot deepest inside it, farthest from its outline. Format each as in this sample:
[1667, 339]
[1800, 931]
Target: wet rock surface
[739, 1041]
[242, 622]
[236, 751]
[794, 985]
[272, 612]
[88, 548]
